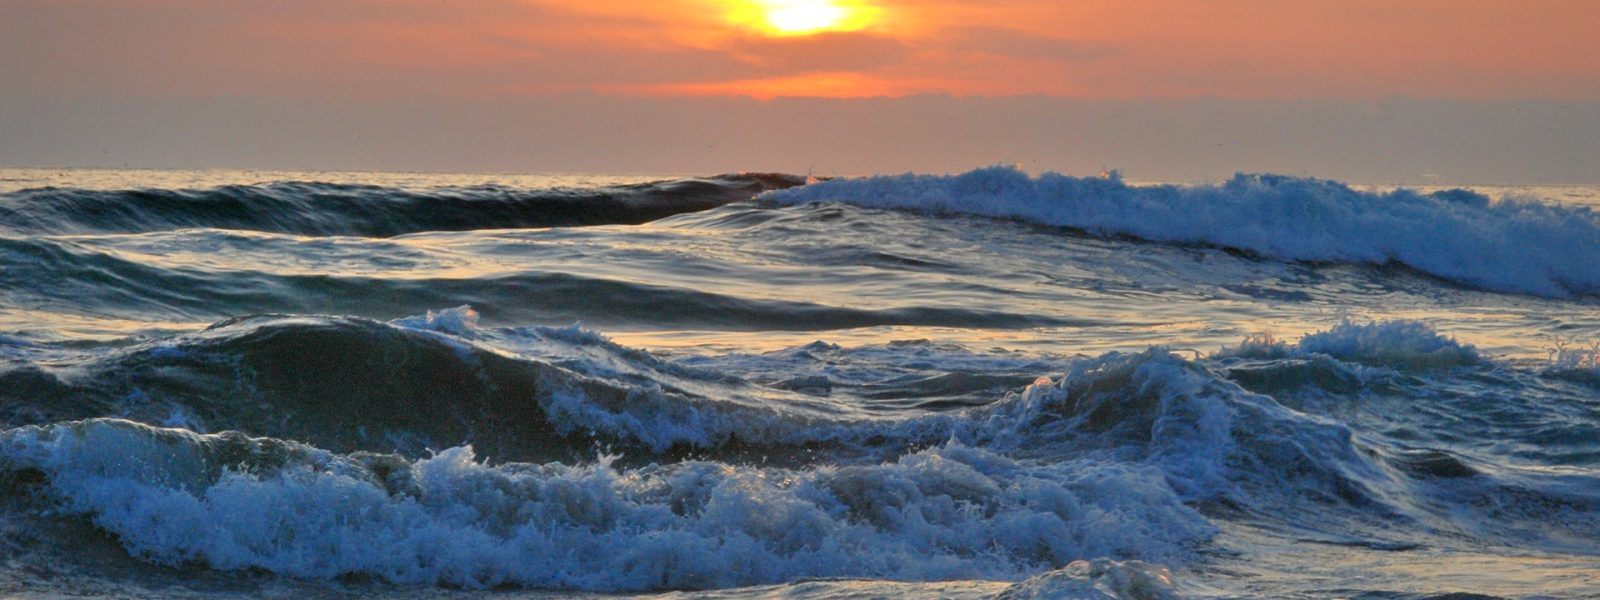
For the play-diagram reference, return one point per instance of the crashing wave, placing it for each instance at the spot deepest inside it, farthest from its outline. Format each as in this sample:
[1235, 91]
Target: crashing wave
[1509, 245]
[234, 502]
[1397, 343]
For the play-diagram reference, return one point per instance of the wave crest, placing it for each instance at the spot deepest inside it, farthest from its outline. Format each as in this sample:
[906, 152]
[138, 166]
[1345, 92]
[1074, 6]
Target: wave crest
[326, 209]
[1509, 245]
[947, 512]
[1397, 343]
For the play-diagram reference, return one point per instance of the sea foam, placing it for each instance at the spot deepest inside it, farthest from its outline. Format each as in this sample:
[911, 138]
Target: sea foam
[1395, 343]
[233, 502]
[1509, 245]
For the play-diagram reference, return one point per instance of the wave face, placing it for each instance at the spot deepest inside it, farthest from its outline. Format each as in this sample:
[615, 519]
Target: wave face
[783, 398]
[327, 209]
[1510, 245]
[1120, 456]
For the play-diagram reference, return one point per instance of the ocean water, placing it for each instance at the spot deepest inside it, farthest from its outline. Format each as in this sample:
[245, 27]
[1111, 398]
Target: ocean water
[231, 384]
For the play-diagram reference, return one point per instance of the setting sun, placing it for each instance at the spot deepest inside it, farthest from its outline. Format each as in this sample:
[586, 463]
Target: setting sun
[802, 17]
[755, 299]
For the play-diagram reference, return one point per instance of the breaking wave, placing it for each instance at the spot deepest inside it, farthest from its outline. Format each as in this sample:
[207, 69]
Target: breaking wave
[233, 502]
[1507, 245]
[1400, 343]
[435, 450]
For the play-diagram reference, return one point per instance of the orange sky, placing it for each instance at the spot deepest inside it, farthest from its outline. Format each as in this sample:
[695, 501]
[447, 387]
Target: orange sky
[1455, 49]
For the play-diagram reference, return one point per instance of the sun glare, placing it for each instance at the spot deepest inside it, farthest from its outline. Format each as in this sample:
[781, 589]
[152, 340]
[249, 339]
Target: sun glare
[802, 17]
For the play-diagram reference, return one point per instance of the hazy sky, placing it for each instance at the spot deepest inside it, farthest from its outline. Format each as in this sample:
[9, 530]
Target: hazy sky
[1469, 90]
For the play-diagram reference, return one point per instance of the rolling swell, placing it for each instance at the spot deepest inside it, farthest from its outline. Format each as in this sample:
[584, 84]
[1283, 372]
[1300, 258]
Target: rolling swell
[327, 209]
[312, 498]
[355, 385]
[535, 394]
[79, 277]
[1122, 457]
[1510, 245]
[350, 384]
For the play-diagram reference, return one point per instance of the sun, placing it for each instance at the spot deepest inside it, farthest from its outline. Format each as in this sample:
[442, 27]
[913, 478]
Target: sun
[803, 17]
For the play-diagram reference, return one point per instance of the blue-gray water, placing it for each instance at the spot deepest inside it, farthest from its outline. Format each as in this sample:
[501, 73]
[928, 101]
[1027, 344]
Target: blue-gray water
[220, 384]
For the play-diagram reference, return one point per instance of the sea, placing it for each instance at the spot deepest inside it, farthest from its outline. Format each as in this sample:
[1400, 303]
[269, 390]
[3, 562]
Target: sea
[990, 384]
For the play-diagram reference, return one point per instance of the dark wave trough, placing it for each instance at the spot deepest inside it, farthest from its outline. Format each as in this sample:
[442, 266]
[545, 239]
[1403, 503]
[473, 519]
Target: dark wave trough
[326, 209]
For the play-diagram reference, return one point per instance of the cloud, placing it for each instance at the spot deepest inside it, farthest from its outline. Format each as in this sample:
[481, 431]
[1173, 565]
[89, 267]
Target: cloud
[389, 49]
[1013, 43]
[839, 51]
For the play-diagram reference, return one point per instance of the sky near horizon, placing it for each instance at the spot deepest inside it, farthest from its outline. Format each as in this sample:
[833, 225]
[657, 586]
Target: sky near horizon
[66, 65]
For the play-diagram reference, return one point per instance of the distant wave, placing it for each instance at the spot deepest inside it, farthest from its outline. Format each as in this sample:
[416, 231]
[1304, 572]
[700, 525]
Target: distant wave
[322, 209]
[1509, 245]
[111, 282]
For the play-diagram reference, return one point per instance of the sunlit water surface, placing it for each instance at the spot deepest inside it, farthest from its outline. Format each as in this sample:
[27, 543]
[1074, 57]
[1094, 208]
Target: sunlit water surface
[908, 387]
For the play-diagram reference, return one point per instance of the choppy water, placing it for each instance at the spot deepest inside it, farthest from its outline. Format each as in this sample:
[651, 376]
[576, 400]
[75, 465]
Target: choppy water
[220, 384]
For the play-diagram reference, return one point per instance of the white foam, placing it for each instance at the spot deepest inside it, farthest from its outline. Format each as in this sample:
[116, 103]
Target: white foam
[1509, 245]
[1383, 343]
[1580, 363]
[461, 321]
[946, 512]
